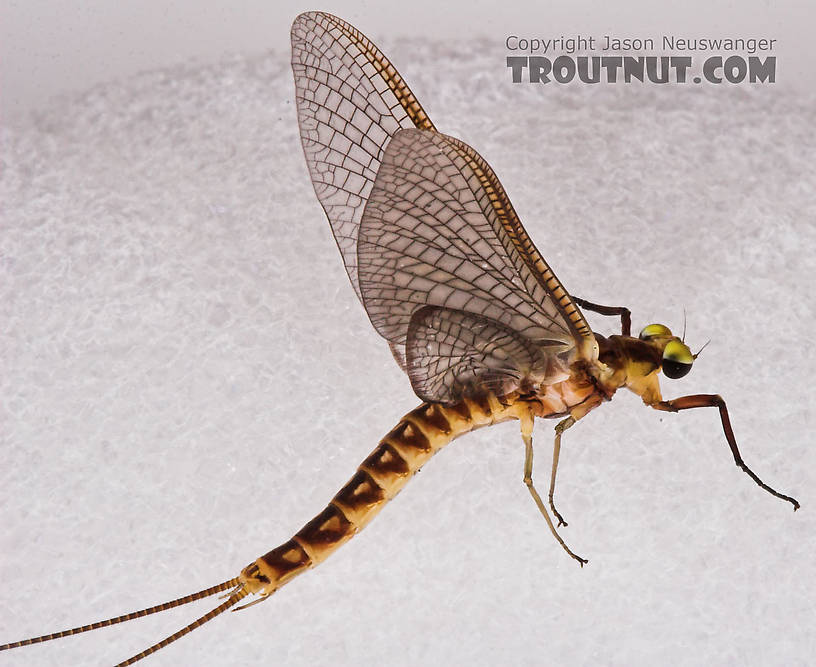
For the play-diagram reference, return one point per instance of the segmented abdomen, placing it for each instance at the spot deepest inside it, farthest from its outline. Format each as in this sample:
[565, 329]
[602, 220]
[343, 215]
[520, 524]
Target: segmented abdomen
[404, 450]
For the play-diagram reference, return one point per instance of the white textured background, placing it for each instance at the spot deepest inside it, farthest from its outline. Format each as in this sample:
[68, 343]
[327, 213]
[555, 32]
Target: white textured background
[187, 378]
[58, 46]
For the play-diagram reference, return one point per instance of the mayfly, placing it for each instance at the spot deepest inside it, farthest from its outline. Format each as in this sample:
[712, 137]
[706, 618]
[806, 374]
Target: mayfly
[448, 276]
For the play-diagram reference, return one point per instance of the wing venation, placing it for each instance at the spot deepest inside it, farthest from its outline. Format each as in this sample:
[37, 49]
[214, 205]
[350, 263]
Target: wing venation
[453, 354]
[432, 234]
[350, 102]
[420, 218]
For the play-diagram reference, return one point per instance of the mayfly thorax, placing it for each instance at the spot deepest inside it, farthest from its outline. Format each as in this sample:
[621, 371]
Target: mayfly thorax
[471, 311]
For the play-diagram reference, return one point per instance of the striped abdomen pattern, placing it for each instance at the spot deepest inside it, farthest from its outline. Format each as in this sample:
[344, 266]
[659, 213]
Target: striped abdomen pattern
[407, 447]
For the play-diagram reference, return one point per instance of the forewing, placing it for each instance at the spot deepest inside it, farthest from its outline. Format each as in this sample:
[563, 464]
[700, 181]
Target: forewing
[437, 231]
[452, 354]
[350, 102]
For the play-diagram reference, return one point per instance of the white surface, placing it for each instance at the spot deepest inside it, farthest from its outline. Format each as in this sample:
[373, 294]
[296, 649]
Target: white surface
[187, 378]
[49, 48]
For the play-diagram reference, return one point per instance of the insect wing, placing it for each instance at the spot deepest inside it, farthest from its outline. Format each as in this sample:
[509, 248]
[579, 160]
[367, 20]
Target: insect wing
[436, 232]
[452, 354]
[350, 102]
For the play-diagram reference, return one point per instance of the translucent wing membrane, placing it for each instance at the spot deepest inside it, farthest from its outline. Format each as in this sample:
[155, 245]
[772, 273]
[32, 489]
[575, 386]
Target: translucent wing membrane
[420, 218]
[451, 354]
[350, 102]
[435, 232]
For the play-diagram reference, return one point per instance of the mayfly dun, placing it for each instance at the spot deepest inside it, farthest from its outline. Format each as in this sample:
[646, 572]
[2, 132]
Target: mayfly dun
[471, 311]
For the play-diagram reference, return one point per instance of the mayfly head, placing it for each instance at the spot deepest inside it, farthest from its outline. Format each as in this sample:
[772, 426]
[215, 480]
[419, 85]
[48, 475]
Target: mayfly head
[677, 357]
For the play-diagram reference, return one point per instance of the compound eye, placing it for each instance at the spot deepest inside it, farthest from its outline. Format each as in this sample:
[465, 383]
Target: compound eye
[677, 359]
[654, 331]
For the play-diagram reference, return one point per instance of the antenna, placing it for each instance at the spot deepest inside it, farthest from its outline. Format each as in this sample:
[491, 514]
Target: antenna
[701, 349]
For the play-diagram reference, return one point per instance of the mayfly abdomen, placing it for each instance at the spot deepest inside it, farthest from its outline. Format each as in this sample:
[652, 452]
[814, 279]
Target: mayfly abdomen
[381, 476]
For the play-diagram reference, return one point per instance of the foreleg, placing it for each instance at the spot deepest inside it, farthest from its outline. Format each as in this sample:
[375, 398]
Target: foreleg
[614, 311]
[716, 401]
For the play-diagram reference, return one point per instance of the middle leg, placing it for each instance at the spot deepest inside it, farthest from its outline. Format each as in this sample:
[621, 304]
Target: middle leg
[527, 436]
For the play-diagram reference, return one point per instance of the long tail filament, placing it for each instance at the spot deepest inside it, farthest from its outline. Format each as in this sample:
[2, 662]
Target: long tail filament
[207, 592]
[238, 594]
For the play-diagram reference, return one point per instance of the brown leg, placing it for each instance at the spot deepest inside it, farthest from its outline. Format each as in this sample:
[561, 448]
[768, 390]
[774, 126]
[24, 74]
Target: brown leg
[711, 401]
[625, 313]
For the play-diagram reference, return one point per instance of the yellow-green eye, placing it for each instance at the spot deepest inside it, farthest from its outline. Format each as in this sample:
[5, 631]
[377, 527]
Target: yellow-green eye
[677, 359]
[654, 331]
